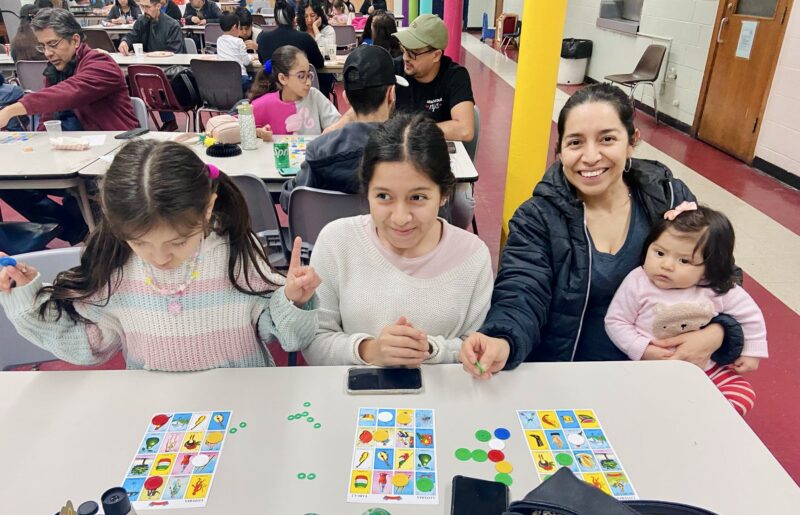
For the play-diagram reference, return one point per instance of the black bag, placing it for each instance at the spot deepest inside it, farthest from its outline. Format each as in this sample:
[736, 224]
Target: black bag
[183, 84]
[565, 494]
[22, 237]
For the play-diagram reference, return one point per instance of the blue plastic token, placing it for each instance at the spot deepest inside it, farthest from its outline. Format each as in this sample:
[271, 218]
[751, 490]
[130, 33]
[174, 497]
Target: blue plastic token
[8, 261]
[502, 433]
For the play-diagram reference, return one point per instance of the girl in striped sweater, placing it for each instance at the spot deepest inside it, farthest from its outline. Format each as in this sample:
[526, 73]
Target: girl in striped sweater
[173, 275]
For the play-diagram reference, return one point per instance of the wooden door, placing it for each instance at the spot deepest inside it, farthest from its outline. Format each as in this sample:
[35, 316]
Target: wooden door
[739, 73]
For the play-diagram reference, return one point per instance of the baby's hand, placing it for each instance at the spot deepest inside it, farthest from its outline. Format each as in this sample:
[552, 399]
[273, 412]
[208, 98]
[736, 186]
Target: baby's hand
[655, 352]
[745, 364]
[16, 275]
[301, 281]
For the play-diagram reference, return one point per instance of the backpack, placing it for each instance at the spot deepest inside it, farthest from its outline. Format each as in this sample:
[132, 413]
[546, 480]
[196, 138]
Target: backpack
[565, 494]
[184, 86]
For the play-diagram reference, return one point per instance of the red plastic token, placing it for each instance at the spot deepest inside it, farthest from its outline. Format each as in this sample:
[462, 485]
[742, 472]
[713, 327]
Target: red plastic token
[159, 420]
[154, 482]
[496, 456]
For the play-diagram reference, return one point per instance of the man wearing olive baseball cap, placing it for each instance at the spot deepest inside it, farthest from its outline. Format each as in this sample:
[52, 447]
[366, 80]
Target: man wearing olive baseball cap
[436, 83]
[332, 160]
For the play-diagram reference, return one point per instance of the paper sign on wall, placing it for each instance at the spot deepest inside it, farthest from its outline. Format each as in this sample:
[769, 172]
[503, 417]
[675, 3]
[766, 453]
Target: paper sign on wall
[746, 38]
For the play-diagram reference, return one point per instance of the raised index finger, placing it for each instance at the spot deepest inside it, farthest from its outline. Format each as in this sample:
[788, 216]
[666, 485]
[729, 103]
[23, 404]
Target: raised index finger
[294, 262]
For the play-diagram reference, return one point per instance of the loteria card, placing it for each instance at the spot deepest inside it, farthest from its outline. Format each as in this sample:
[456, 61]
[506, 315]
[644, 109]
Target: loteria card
[575, 439]
[177, 458]
[394, 457]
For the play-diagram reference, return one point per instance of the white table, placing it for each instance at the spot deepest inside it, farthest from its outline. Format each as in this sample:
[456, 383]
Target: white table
[261, 162]
[70, 435]
[33, 164]
[165, 62]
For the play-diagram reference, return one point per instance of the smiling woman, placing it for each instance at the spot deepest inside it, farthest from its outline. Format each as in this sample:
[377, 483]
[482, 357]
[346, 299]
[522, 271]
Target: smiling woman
[571, 245]
[400, 286]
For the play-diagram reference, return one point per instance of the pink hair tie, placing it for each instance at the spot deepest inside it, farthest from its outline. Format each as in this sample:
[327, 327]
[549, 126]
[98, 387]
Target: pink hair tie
[213, 172]
[680, 208]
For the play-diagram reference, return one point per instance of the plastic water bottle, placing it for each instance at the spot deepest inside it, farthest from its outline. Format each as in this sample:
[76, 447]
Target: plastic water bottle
[247, 126]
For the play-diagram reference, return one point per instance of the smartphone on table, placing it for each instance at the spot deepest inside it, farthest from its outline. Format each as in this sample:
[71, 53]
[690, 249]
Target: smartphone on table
[473, 496]
[133, 133]
[373, 380]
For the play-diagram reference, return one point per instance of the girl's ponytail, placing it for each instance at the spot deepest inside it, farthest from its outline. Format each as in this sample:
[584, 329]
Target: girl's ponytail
[232, 218]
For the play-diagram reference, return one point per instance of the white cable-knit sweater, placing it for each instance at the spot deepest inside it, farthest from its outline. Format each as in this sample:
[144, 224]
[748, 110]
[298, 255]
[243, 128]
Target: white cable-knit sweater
[362, 292]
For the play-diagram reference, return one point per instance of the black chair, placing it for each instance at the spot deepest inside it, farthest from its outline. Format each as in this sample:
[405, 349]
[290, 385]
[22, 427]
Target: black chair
[219, 84]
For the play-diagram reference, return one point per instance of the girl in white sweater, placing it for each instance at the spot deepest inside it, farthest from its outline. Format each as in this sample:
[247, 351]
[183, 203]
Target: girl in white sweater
[400, 286]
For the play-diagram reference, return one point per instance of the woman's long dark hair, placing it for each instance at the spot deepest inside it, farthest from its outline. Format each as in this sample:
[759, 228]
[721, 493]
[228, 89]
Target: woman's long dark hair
[282, 61]
[23, 46]
[149, 183]
[716, 243]
[318, 10]
[415, 139]
[383, 26]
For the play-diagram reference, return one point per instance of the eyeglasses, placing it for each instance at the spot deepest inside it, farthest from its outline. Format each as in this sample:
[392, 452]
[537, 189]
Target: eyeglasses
[413, 55]
[304, 76]
[50, 45]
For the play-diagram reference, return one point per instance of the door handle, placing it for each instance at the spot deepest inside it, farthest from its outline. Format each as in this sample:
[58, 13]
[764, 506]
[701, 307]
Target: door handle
[721, 28]
[723, 22]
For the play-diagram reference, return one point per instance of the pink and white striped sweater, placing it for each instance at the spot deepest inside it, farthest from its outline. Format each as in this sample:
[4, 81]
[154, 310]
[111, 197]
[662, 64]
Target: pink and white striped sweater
[217, 327]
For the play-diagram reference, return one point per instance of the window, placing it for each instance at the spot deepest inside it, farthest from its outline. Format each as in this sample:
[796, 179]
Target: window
[763, 8]
[621, 15]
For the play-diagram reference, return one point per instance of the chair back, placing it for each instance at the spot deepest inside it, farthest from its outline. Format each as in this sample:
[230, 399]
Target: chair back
[650, 64]
[263, 217]
[140, 110]
[472, 146]
[211, 33]
[315, 80]
[99, 39]
[29, 74]
[16, 350]
[258, 19]
[219, 83]
[191, 46]
[509, 24]
[268, 28]
[151, 85]
[311, 209]
[346, 38]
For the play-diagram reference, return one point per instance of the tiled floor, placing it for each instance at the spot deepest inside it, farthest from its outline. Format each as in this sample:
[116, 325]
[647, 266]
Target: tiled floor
[764, 212]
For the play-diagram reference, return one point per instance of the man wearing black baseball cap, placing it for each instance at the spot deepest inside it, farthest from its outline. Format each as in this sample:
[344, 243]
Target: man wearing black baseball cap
[437, 84]
[333, 158]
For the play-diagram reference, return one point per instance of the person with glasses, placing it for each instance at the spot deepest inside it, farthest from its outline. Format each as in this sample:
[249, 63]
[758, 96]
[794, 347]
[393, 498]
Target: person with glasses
[154, 31]
[284, 101]
[85, 90]
[437, 84]
[332, 160]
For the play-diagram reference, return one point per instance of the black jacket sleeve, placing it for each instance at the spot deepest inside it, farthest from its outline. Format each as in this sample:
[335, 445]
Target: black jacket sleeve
[188, 13]
[312, 52]
[303, 178]
[732, 343]
[175, 40]
[136, 35]
[523, 288]
[212, 11]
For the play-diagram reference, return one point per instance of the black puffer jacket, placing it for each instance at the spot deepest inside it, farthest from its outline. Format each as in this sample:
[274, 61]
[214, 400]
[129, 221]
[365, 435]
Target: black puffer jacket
[540, 293]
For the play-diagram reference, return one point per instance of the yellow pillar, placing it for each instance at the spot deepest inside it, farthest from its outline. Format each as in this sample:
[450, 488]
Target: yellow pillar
[537, 71]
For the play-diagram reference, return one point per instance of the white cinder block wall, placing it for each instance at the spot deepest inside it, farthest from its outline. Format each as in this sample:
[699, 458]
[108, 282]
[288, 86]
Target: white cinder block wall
[780, 130]
[689, 23]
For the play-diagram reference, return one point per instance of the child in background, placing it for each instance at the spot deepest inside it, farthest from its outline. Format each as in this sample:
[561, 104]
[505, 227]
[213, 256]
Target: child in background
[173, 275]
[232, 48]
[686, 280]
[340, 15]
[284, 101]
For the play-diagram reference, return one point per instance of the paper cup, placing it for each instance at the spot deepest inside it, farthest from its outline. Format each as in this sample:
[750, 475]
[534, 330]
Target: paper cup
[138, 49]
[53, 128]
